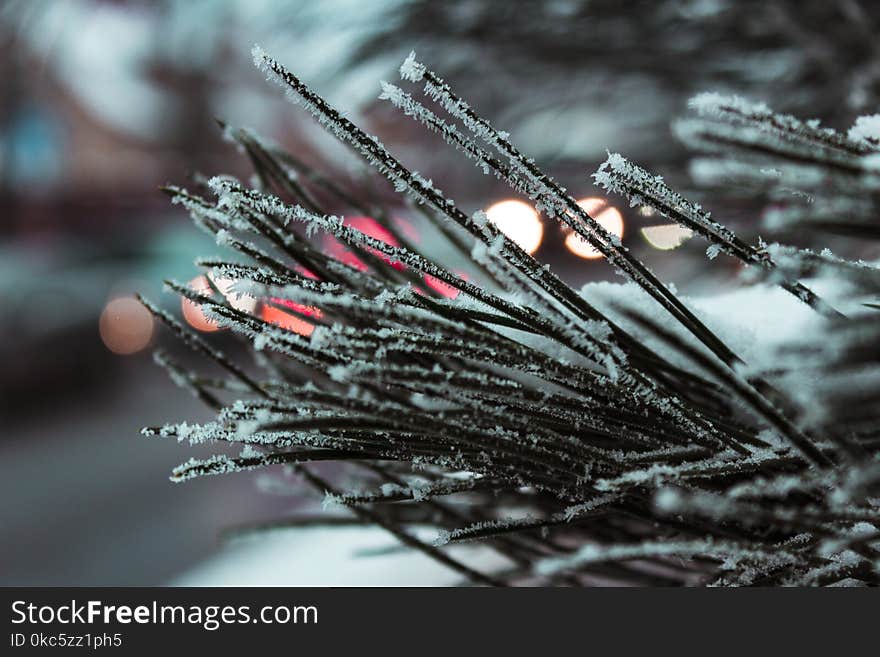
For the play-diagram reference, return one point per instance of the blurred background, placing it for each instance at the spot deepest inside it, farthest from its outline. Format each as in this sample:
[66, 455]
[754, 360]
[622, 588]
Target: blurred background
[102, 102]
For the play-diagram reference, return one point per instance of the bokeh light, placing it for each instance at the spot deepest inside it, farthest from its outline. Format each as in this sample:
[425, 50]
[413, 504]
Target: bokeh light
[126, 327]
[606, 215]
[227, 287]
[519, 221]
[289, 321]
[368, 226]
[667, 236]
[192, 312]
[442, 288]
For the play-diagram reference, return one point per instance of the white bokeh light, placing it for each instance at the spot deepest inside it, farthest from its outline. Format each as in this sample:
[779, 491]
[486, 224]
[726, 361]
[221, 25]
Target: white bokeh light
[667, 236]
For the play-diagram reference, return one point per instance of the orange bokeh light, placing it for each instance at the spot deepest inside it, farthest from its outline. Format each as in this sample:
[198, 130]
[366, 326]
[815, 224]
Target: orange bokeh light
[606, 215]
[192, 312]
[519, 221]
[125, 326]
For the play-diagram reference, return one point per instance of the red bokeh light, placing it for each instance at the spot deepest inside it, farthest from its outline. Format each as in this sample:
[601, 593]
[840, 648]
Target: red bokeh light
[443, 288]
[370, 227]
[289, 321]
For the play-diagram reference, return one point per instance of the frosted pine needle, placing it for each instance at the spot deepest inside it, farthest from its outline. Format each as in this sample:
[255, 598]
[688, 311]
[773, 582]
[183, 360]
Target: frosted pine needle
[587, 444]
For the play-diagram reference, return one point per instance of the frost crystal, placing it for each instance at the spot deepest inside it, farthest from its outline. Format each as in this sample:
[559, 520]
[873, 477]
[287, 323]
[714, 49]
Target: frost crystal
[411, 69]
[867, 130]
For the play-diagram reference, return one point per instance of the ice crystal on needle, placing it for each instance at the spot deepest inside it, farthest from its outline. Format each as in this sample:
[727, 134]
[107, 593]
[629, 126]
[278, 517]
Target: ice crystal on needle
[585, 443]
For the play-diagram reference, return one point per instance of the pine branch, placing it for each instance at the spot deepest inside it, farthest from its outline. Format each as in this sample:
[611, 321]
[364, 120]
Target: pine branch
[582, 439]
